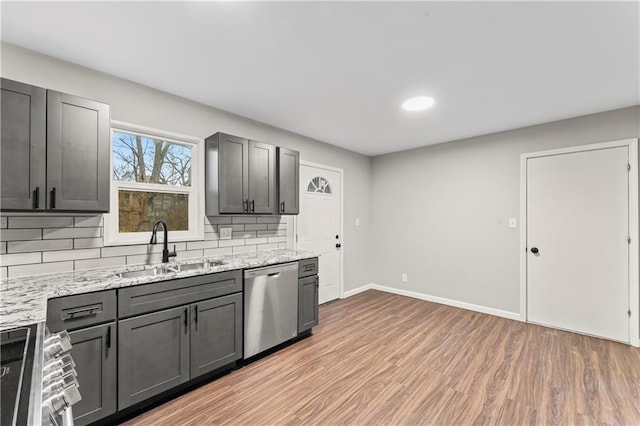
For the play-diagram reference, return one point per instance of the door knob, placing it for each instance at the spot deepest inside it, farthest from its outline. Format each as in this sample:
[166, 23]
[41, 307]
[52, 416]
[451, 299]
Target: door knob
[338, 245]
[534, 250]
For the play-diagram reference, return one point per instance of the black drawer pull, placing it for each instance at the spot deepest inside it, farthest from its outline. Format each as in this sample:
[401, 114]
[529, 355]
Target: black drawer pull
[109, 337]
[186, 318]
[308, 268]
[85, 311]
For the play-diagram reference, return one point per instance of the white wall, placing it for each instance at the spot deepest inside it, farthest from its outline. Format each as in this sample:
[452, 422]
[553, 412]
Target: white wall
[141, 105]
[440, 212]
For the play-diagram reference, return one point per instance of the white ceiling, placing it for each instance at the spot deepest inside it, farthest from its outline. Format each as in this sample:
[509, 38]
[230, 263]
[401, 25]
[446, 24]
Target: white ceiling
[338, 71]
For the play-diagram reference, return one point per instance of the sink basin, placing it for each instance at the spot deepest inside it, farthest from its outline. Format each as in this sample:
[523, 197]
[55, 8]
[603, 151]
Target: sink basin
[200, 265]
[158, 270]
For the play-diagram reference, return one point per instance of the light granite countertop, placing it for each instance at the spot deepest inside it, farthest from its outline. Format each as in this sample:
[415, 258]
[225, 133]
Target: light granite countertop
[23, 300]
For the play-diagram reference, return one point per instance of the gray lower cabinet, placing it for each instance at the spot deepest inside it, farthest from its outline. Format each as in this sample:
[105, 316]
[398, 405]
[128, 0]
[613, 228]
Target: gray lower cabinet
[216, 333]
[153, 354]
[55, 151]
[307, 303]
[94, 352]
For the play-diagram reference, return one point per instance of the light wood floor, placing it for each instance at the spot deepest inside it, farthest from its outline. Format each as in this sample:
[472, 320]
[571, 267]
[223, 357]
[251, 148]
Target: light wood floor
[378, 358]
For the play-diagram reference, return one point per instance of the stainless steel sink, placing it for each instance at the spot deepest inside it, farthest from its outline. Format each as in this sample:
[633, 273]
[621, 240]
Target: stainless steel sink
[158, 270]
[200, 265]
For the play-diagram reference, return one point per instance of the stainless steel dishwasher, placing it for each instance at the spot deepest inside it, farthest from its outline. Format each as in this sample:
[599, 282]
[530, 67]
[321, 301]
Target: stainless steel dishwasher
[270, 307]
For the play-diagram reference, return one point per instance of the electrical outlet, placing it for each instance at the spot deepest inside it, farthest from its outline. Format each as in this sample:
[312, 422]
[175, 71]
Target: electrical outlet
[357, 221]
[404, 278]
[225, 233]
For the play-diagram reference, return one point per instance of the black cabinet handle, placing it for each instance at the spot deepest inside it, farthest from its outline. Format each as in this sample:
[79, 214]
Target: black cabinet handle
[109, 337]
[186, 318]
[534, 250]
[253, 206]
[195, 311]
[53, 198]
[36, 198]
[282, 209]
[245, 206]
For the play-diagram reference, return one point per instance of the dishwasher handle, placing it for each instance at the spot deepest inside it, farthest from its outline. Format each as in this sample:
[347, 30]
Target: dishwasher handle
[271, 271]
[274, 275]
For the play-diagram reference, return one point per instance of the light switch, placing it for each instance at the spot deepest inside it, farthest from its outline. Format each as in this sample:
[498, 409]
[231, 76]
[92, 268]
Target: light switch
[513, 223]
[225, 233]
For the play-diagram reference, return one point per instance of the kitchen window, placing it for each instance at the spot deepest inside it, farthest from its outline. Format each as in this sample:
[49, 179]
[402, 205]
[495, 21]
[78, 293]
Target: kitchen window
[155, 175]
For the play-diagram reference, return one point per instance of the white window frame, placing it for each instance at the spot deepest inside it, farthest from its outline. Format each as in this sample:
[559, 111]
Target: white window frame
[196, 191]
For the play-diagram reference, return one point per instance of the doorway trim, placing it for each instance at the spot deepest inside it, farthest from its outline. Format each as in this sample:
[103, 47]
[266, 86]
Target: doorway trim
[634, 261]
[293, 241]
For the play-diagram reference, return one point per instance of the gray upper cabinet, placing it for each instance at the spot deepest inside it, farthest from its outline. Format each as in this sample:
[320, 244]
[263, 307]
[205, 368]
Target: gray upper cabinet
[240, 176]
[55, 150]
[77, 153]
[94, 352]
[288, 175]
[216, 333]
[262, 178]
[153, 354]
[23, 147]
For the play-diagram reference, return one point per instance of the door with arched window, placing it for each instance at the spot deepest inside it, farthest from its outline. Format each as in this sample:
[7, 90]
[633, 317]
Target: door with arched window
[320, 222]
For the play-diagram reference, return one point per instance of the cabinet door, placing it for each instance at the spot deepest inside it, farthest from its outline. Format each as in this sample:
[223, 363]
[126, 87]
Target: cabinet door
[216, 333]
[288, 181]
[94, 352]
[262, 177]
[22, 146]
[307, 303]
[78, 153]
[233, 173]
[153, 354]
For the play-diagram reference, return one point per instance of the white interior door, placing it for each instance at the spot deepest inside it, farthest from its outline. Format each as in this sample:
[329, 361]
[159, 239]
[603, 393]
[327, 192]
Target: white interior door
[319, 225]
[577, 250]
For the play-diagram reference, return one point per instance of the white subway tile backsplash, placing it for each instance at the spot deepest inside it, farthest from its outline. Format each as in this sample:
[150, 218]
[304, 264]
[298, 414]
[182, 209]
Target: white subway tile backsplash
[272, 246]
[124, 250]
[4, 272]
[245, 249]
[244, 219]
[277, 239]
[32, 245]
[217, 251]
[87, 242]
[283, 245]
[190, 254]
[58, 233]
[40, 268]
[103, 262]
[268, 219]
[88, 221]
[244, 234]
[20, 234]
[20, 258]
[199, 245]
[57, 256]
[255, 227]
[38, 245]
[20, 222]
[144, 259]
[230, 243]
[216, 220]
[261, 240]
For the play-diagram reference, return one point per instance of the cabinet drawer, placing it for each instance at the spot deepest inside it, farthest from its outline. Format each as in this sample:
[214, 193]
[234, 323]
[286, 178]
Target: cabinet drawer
[81, 310]
[307, 267]
[166, 294]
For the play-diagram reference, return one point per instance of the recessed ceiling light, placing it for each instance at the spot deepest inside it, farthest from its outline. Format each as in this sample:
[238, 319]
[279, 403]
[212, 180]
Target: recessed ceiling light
[418, 103]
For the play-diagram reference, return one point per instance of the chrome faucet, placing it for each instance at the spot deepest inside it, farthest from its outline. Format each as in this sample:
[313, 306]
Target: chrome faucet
[165, 250]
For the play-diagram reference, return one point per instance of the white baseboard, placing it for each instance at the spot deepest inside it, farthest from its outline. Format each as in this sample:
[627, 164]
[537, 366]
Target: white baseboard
[436, 299]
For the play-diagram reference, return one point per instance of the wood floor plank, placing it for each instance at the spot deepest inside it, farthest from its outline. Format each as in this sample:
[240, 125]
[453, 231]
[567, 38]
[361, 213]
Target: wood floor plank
[383, 359]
